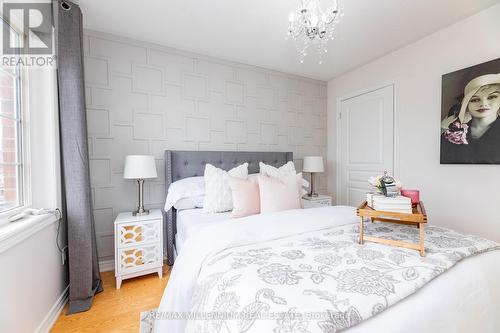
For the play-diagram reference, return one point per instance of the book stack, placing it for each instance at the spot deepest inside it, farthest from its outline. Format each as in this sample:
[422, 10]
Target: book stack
[397, 204]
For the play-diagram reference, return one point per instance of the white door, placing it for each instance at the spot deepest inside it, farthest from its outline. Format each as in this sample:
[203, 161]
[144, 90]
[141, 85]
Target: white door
[366, 141]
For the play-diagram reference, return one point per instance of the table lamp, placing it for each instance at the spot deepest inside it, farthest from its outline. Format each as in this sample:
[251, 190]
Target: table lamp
[313, 164]
[140, 167]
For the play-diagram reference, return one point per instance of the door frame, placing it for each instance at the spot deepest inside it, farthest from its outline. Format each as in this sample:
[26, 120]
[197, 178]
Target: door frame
[395, 97]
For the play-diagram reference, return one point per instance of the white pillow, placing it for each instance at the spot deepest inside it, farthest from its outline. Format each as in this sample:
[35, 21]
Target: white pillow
[190, 202]
[218, 195]
[282, 172]
[277, 194]
[184, 188]
[198, 201]
[255, 178]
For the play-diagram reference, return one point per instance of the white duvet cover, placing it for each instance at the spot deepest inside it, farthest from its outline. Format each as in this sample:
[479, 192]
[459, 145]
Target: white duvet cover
[463, 299]
[191, 221]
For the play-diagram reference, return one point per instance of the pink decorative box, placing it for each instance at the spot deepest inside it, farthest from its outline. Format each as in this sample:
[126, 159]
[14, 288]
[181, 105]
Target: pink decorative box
[414, 195]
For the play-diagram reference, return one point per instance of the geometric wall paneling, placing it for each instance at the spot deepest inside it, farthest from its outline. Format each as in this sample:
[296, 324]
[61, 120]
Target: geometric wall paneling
[308, 143]
[295, 102]
[156, 195]
[250, 114]
[103, 197]
[316, 120]
[218, 141]
[218, 74]
[148, 125]
[147, 79]
[269, 133]
[124, 194]
[323, 91]
[266, 97]
[96, 73]
[197, 129]
[100, 172]
[284, 85]
[319, 104]
[308, 129]
[255, 143]
[143, 98]
[121, 55]
[176, 140]
[88, 95]
[125, 144]
[157, 148]
[160, 165]
[120, 98]
[295, 135]
[319, 136]
[217, 112]
[307, 107]
[102, 147]
[252, 79]
[103, 219]
[173, 65]
[195, 86]
[235, 93]
[98, 122]
[105, 245]
[282, 142]
[272, 116]
[236, 131]
[151, 194]
[90, 145]
[175, 106]
[281, 106]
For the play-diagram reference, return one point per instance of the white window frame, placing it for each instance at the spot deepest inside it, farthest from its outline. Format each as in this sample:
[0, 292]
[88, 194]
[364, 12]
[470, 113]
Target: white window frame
[23, 138]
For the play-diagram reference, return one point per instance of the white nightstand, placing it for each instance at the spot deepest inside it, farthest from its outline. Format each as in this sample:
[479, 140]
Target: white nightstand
[319, 201]
[138, 245]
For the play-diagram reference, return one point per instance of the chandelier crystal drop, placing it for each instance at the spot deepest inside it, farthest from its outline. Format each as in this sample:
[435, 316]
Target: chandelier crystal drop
[312, 27]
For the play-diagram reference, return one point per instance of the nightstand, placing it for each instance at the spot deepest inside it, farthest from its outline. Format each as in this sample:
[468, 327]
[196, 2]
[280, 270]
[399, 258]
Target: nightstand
[319, 201]
[138, 245]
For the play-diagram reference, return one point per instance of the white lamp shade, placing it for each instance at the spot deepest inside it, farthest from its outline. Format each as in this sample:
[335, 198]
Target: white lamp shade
[139, 167]
[313, 164]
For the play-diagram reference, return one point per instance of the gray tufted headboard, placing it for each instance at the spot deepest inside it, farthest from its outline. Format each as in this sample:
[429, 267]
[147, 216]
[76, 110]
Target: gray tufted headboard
[183, 164]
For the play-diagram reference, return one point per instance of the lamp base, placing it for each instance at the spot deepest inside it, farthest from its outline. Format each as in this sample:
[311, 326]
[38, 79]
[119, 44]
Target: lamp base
[139, 213]
[140, 209]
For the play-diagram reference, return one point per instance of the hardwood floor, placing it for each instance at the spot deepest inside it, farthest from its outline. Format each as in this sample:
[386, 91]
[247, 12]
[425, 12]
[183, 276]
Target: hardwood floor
[117, 310]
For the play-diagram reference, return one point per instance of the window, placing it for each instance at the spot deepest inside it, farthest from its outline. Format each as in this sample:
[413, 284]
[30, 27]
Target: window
[11, 137]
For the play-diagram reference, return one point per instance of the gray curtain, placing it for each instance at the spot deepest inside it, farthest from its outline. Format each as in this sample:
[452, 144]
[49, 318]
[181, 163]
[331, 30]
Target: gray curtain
[84, 277]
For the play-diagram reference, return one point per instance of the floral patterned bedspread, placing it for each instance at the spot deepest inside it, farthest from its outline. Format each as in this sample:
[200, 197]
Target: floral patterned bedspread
[321, 281]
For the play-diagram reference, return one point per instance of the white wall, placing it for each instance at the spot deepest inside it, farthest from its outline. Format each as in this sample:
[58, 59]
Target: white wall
[143, 98]
[464, 197]
[32, 281]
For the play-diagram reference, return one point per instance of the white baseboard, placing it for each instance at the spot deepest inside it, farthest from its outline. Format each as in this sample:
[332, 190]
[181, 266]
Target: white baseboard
[106, 265]
[51, 317]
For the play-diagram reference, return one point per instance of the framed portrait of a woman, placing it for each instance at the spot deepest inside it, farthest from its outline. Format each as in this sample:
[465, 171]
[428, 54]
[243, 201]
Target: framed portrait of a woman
[470, 115]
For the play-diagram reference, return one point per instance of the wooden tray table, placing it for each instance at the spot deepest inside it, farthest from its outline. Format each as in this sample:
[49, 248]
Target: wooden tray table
[417, 218]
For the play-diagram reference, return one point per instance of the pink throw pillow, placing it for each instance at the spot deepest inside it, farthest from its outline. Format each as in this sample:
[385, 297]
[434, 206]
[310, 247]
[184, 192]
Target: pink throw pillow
[279, 194]
[246, 198]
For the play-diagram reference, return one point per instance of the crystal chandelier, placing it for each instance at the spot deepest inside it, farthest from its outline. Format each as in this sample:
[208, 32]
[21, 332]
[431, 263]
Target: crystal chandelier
[311, 26]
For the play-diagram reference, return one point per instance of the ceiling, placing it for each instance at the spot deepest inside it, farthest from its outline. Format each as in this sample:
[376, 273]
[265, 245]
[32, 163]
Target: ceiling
[253, 31]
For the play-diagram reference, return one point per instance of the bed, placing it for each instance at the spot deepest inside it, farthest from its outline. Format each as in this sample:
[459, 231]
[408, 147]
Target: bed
[303, 271]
